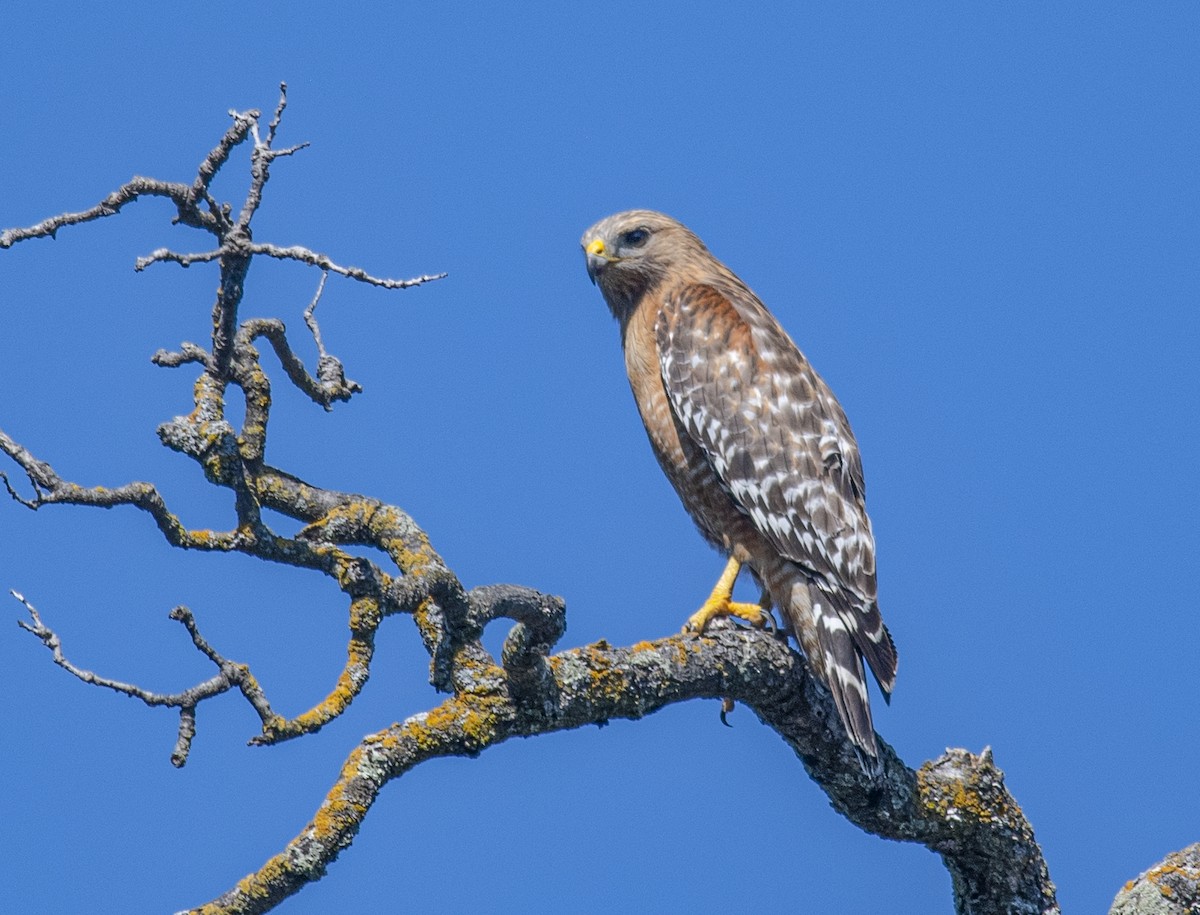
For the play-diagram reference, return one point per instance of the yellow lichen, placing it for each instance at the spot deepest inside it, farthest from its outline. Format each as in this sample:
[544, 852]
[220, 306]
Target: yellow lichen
[606, 680]
[966, 796]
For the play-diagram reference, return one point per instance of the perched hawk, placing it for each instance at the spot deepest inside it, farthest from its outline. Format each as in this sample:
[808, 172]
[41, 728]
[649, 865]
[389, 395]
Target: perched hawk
[755, 444]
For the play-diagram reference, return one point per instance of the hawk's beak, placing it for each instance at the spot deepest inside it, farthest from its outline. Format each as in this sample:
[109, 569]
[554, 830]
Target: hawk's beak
[597, 260]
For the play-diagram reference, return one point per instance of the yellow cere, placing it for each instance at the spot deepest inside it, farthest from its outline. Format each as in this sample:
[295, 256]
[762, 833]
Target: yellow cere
[596, 246]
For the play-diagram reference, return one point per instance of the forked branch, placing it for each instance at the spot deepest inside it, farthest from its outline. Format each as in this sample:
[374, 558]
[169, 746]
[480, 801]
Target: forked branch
[956, 805]
[230, 675]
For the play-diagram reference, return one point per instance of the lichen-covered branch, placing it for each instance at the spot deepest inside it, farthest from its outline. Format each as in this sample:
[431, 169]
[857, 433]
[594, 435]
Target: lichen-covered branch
[236, 458]
[1171, 887]
[335, 518]
[956, 805]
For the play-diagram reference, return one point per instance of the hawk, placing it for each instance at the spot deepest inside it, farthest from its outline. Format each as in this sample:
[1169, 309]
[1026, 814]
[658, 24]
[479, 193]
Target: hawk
[757, 447]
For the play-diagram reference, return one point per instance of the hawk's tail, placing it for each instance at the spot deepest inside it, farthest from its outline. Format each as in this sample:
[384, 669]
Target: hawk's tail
[875, 642]
[845, 636]
[837, 633]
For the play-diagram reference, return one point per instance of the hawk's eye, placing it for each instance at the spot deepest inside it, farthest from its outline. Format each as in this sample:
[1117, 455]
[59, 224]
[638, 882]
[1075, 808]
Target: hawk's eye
[635, 238]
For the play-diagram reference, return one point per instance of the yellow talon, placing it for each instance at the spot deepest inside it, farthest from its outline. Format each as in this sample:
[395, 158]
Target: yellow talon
[721, 603]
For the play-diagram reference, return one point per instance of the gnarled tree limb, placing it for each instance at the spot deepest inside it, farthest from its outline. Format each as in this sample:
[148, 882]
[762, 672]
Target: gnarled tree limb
[956, 805]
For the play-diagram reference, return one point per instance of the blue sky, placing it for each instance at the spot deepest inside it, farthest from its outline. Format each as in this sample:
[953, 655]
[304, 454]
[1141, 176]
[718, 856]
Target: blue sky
[979, 222]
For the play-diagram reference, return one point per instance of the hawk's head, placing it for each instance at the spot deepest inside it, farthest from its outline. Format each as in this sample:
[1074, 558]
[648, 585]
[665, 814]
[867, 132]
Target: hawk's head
[630, 253]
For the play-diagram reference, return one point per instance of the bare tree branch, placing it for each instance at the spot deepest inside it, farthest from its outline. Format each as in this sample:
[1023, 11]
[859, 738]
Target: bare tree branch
[313, 259]
[234, 136]
[235, 458]
[956, 805]
[132, 190]
[231, 675]
[277, 118]
[160, 255]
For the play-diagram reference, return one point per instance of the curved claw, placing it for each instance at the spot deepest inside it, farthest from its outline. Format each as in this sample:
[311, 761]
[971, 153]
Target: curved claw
[770, 621]
[727, 706]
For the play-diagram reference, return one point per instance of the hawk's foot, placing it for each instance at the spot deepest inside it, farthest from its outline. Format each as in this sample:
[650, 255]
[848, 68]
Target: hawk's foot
[721, 603]
[754, 614]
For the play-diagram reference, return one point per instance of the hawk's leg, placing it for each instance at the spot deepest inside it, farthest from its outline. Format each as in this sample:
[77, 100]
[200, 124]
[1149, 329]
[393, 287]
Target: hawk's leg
[721, 603]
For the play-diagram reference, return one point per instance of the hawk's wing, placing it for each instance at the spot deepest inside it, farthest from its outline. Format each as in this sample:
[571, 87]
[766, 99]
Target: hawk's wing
[772, 431]
[779, 441]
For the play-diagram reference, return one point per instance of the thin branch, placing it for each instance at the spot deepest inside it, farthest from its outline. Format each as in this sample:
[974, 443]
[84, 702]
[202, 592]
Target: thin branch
[432, 596]
[313, 259]
[310, 316]
[277, 119]
[52, 490]
[41, 475]
[289, 150]
[231, 675]
[329, 386]
[267, 152]
[234, 136]
[160, 255]
[111, 205]
[189, 354]
[260, 162]
[16, 496]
